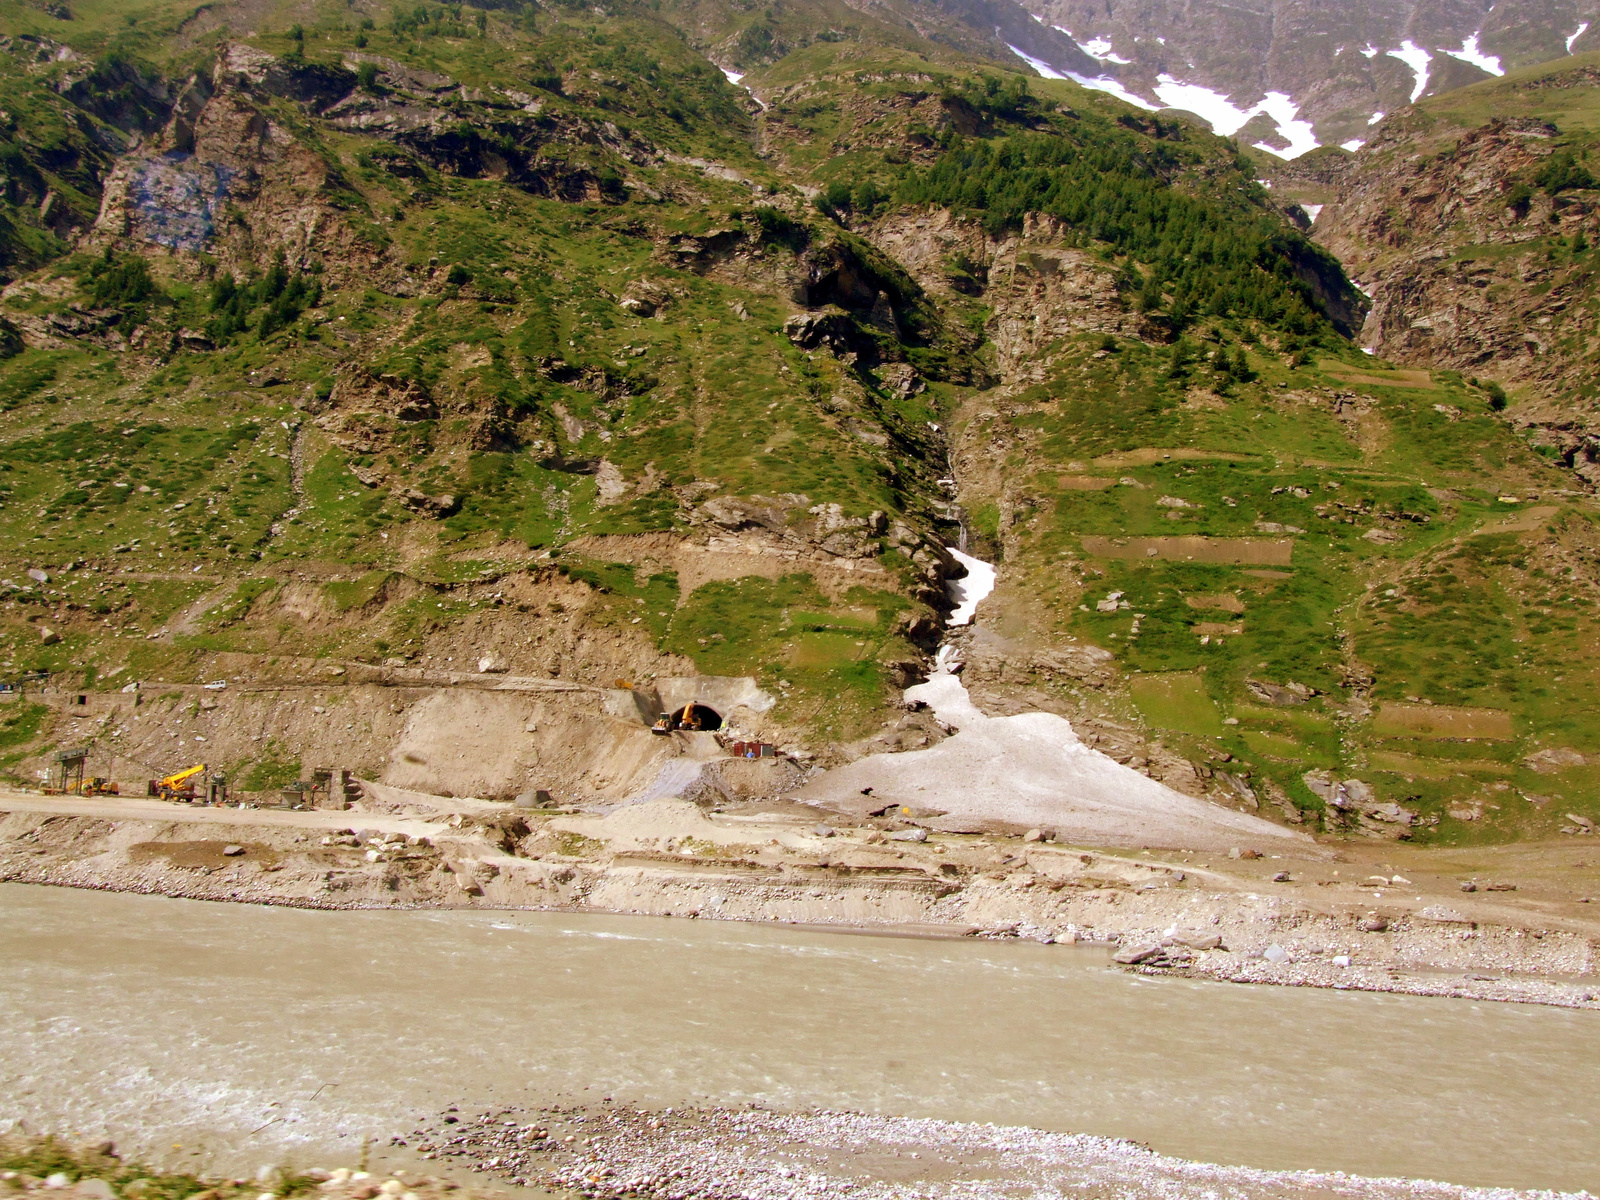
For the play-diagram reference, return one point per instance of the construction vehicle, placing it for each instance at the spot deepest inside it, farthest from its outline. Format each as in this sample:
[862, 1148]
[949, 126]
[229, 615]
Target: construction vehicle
[691, 718]
[98, 785]
[177, 786]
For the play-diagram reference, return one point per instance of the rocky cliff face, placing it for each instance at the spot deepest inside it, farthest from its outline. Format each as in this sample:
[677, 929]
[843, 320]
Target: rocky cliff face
[1475, 265]
[1339, 66]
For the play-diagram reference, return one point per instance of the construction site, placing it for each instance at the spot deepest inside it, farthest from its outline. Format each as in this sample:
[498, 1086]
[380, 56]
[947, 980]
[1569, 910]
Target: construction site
[493, 736]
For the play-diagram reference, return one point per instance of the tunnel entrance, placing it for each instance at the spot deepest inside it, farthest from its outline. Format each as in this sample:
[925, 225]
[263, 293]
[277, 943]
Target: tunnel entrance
[691, 718]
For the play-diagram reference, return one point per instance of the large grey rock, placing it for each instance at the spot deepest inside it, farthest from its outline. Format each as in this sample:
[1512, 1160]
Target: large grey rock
[1135, 955]
[1360, 793]
[909, 835]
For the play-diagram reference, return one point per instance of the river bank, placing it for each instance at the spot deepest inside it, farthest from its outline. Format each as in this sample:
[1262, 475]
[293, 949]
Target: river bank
[1389, 918]
[613, 1152]
[699, 1153]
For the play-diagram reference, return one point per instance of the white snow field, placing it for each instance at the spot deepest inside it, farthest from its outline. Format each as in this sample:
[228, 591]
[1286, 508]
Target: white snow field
[1029, 770]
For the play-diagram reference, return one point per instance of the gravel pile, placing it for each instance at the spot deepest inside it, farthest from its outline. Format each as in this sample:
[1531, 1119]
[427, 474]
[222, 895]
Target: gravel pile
[612, 1152]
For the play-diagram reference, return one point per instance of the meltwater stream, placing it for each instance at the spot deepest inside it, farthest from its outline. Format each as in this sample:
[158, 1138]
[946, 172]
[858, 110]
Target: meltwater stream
[265, 1034]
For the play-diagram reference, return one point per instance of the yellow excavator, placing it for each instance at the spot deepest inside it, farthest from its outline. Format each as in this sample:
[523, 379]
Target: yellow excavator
[692, 718]
[177, 786]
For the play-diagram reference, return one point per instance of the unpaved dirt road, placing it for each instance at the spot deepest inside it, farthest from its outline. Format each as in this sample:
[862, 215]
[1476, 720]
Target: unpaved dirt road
[131, 808]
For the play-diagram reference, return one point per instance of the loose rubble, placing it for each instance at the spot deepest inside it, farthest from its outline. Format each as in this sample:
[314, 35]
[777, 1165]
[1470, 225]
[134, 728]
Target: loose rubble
[712, 1153]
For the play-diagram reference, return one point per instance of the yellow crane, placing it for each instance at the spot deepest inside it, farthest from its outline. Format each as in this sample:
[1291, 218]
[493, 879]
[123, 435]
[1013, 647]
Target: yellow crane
[176, 786]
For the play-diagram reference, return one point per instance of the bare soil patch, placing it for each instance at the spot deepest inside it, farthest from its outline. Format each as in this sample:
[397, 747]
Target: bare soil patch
[1407, 378]
[1435, 768]
[1523, 522]
[1444, 721]
[200, 854]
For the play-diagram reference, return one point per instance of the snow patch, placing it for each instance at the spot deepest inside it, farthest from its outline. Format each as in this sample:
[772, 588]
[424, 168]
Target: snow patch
[1099, 49]
[968, 592]
[1375, 118]
[734, 78]
[1371, 51]
[1038, 64]
[1227, 118]
[1099, 83]
[1469, 53]
[1104, 83]
[1313, 211]
[1285, 113]
[1031, 769]
[1353, 144]
[1415, 57]
[1578, 33]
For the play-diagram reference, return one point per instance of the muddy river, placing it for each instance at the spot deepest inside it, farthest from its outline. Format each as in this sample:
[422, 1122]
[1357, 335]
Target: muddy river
[236, 1035]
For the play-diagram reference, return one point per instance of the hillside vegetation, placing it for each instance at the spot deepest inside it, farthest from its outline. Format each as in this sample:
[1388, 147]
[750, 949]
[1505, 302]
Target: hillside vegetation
[342, 334]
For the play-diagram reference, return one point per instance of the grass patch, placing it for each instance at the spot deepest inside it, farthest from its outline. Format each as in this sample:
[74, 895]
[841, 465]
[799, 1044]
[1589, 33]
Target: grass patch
[348, 595]
[274, 770]
[1176, 702]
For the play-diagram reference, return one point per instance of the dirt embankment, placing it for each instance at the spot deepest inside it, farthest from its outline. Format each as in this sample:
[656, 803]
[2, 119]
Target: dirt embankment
[1303, 918]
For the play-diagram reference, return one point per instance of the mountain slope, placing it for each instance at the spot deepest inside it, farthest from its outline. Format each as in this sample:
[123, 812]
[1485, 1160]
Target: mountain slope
[1472, 222]
[1259, 69]
[470, 384]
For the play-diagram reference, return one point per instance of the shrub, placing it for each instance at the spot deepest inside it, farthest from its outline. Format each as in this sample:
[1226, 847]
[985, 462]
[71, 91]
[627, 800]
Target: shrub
[119, 281]
[1518, 197]
[1562, 171]
[779, 228]
[285, 296]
